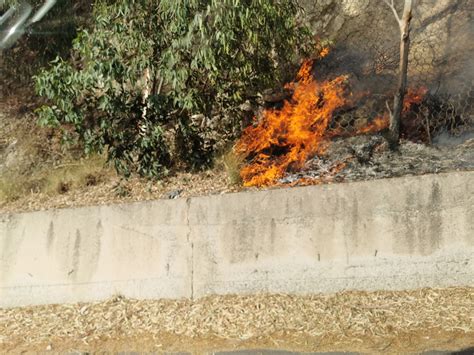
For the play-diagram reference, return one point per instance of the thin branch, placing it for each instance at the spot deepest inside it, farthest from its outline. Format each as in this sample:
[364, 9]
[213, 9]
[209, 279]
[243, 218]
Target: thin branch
[388, 108]
[66, 165]
[427, 127]
[395, 115]
[160, 86]
[392, 7]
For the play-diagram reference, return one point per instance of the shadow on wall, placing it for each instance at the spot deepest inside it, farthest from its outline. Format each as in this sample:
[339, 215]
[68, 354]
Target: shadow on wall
[469, 351]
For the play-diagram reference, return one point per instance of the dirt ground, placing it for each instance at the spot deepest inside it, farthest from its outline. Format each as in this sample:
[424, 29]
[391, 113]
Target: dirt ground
[368, 322]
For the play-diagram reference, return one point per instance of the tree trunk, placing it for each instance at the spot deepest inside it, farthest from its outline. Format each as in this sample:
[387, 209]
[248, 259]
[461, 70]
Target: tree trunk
[395, 116]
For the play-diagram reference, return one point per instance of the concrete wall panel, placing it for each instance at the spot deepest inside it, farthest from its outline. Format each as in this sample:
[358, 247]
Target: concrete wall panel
[388, 234]
[139, 250]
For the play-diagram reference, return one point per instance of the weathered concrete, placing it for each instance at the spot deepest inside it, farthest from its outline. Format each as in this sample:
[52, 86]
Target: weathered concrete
[87, 254]
[388, 234]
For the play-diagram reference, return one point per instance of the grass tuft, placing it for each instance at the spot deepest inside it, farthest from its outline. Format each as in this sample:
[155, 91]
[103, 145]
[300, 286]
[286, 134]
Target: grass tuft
[54, 180]
[232, 163]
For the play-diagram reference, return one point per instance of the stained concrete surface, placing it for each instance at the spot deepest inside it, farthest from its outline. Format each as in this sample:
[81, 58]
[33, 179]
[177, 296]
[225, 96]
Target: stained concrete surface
[391, 234]
[386, 234]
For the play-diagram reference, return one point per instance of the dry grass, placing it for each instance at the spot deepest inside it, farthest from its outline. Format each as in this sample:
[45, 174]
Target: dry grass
[32, 160]
[112, 189]
[43, 175]
[232, 163]
[380, 322]
[53, 180]
[75, 175]
[11, 188]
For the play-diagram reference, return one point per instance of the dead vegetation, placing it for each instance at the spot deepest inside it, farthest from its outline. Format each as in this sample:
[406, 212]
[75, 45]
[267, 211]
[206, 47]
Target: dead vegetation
[32, 160]
[37, 172]
[374, 322]
[53, 181]
[232, 162]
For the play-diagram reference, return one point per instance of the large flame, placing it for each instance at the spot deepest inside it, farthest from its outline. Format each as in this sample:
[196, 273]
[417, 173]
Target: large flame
[286, 138]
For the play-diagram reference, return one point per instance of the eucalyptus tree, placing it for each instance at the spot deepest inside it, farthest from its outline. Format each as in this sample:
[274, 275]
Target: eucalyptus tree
[135, 79]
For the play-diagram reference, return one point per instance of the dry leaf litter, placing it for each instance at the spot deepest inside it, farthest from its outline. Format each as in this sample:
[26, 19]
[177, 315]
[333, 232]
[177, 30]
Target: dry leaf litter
[348, 321]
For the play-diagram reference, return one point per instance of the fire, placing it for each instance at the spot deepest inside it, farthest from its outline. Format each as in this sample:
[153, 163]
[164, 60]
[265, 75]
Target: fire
[414, 97]
[286, 138]
[379, 123]
[324, 52]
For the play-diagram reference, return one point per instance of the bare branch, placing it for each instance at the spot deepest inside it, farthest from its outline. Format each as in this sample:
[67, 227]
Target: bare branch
[392, 7]
[160, 86]
[388, 108]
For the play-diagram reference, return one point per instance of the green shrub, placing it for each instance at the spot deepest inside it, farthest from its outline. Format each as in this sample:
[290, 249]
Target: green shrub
[135, 82]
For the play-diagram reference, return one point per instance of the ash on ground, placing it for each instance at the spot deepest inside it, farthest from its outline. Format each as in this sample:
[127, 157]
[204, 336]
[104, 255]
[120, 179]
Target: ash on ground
[369, 157]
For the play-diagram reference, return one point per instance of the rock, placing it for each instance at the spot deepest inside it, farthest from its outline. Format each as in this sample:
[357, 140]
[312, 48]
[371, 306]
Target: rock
[246, 106]
[199, 120]
[363, 151]
[273, 96]
[173, 194]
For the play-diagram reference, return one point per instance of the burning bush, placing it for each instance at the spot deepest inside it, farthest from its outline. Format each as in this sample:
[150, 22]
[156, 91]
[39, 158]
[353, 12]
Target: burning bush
[283, 140]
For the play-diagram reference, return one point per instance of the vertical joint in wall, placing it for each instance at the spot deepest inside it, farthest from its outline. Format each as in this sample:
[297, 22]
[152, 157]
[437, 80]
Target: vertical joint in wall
[188, 239]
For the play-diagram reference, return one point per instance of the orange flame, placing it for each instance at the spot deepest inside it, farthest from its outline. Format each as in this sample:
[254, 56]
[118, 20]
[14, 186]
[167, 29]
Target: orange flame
[286, 138]
[379, 123]
[324, 52]
[414, 97]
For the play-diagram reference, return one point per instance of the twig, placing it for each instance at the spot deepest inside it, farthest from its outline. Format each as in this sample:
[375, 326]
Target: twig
[427, 123]
[392, 7]
[388, 108]
[374, 307]
[160, 86]
[66, 165]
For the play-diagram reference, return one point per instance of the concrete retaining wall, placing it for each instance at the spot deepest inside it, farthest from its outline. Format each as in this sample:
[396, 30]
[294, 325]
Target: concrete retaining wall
[387, 234]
